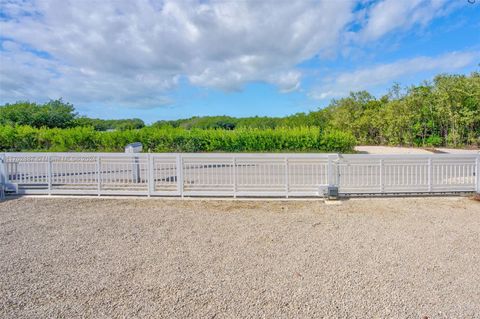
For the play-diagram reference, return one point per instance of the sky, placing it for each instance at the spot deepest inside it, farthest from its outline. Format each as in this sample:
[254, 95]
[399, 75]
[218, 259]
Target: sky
[170, 59]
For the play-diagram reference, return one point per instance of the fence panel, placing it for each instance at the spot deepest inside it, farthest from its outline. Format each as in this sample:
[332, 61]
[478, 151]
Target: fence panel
[164, 175]
[124, 174]
[392, 174]
[239, 174]
[75, 172]
[453, 174]
[29, 170]
[207, 175]
[265, 176]
[308, 176]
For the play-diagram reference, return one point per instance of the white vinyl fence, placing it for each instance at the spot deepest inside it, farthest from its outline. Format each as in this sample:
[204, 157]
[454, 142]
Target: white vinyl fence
[249, 175]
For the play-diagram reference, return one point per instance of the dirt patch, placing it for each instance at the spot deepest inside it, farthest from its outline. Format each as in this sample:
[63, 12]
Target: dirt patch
[367, 149]
[374, 258]
[458, 151]
[395, 150]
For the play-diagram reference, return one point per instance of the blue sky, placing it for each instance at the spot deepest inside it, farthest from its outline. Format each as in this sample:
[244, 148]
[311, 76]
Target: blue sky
[175, 59]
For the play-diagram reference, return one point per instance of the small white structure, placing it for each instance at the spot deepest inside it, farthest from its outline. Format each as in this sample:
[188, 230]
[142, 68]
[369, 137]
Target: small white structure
[134, 148]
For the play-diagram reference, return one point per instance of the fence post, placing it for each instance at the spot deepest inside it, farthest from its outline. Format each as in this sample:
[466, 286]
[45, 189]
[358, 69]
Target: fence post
[477, 174]
[180, 174]
[151, 181]
[3, 176]
[136, 169]
[382, 178]
[234, 177]
[99, 176]
[330, 171]
[49, 174]
[429, 174]
[286, 178]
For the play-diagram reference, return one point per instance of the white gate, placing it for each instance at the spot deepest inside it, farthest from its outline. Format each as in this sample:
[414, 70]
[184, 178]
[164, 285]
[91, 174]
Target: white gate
[249, 175]
[393, 174]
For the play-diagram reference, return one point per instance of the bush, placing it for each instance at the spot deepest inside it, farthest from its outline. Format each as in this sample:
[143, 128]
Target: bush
[434, 140]
[169, 139]
[337, 141]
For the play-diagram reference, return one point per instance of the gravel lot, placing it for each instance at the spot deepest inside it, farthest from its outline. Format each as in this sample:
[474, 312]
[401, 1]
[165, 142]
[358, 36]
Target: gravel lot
[121, 258]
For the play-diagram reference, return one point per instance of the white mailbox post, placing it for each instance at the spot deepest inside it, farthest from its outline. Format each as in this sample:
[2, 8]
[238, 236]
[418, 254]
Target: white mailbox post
[135, 148]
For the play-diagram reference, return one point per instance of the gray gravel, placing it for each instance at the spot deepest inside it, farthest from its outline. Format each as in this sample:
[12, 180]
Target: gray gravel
[118, 258]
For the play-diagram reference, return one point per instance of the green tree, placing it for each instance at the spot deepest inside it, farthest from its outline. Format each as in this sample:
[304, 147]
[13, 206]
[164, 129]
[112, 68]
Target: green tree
[54, 113]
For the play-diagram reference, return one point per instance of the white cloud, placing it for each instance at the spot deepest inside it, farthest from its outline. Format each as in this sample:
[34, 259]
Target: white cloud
[389, 15]
[120, 50]
[372, 76]
[25, 75]
[133, 53]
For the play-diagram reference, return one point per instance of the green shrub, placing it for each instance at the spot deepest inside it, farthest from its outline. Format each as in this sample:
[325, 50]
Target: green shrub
[169, 139]
[434, 140]
[338, 142]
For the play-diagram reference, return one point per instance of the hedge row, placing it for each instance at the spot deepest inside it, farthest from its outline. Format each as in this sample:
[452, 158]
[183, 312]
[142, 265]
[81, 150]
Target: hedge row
[83, 139]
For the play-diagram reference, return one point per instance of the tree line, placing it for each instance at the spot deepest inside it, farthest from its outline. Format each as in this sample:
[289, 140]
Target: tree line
[58, 114]
[441, 112]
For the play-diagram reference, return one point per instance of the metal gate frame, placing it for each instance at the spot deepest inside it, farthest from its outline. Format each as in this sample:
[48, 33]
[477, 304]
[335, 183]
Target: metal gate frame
[237, 175]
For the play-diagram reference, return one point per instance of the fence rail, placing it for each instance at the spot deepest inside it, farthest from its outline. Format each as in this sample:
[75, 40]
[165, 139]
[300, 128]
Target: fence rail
[282, 175]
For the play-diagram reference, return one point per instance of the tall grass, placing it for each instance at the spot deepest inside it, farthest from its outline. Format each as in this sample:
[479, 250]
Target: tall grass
[168, 139]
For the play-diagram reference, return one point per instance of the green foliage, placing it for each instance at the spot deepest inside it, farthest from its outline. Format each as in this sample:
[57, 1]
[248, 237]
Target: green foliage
[59, 114]
[434, 140]
[341, 142]
[55, 113]
[230, 123]
[105, 125]
[444, 112]
[169, 139]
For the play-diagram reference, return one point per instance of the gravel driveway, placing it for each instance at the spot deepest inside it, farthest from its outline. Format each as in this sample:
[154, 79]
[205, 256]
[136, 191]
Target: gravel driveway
[155, 258]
